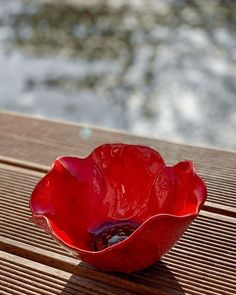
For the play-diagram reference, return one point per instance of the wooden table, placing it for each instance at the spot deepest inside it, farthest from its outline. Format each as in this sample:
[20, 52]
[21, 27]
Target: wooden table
[202, 262]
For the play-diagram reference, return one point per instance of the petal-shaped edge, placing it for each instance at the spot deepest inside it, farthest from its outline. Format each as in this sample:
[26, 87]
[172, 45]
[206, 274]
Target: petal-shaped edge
[177, 190]
[151, 227]
[129, 171]
[62, 198]
[193, 186]
[114, 181]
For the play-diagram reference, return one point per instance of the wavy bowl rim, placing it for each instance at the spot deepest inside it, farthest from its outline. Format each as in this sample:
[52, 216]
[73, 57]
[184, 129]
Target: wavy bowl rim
[190, 216]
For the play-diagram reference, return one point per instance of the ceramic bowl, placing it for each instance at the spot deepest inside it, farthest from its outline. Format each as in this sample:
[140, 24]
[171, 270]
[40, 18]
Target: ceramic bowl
[121, 208]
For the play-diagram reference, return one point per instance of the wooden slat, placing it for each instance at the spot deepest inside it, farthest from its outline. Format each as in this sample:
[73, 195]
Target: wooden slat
[36, 143]
[203, 261]
[71, 265]
[69, 137]
[23, 276]
[221, 202]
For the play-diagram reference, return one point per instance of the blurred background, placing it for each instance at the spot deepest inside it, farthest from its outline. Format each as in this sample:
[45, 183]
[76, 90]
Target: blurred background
[165, 68]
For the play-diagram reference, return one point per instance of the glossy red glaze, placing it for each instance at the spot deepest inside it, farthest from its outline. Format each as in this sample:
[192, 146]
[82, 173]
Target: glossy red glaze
[118, 182]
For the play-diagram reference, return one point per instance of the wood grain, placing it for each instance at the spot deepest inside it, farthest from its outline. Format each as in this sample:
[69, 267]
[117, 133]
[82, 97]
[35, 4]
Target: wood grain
[31, 262]
[36, 143]
[23, 276]
[203, 261]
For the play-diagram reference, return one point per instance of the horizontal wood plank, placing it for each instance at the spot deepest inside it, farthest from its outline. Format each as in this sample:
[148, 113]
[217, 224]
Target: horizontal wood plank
[21, 276]
[203, 261]
[36, 143]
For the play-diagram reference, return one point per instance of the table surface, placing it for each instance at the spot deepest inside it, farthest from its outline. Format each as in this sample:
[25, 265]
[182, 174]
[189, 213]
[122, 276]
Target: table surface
[31, 262]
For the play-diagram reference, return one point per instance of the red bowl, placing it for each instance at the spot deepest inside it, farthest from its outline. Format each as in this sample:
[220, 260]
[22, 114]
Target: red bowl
[121, 208]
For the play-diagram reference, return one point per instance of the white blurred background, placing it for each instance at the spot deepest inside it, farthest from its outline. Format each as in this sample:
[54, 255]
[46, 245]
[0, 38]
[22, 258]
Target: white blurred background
[165, 69]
